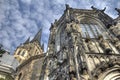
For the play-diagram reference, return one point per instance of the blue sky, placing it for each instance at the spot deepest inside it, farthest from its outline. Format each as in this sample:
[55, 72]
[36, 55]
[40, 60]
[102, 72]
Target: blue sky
[20, 19]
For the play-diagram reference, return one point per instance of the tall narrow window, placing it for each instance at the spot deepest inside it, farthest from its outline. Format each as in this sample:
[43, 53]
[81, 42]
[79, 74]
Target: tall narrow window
[23, 53]
[62, 38]
[57, 43]
[18, 52]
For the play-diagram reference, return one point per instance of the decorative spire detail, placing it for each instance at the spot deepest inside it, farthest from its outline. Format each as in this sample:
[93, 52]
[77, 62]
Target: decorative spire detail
[38, 36]
[118, 10]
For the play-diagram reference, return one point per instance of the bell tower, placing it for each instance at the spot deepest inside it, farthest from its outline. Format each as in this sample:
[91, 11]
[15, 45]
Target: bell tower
[29, 48]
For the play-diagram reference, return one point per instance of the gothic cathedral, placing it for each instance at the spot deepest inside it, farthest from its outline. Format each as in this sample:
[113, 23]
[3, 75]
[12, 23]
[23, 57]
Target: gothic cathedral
[83, 45]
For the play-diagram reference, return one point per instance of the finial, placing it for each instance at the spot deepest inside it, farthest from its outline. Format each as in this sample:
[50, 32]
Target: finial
[118, 10]
[52, 25]
[67, 6]
[94, 8]
[98, 9]
[103, 9]
[55, 21]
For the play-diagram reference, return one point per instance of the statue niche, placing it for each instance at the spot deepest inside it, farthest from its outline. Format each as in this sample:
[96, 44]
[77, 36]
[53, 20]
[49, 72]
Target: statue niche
[73, 27]
[91, 45]
[105, 45]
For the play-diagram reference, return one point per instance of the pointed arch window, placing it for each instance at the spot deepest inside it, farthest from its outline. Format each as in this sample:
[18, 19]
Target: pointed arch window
[23, 53]
[92, 30]
[19, 52]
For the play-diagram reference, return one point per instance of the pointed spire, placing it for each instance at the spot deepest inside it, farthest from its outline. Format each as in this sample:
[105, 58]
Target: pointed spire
[37, 36]
[27, 41]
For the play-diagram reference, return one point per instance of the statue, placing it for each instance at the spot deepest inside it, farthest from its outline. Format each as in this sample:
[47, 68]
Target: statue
[64, 53]
[94, 8]
[73, 27]
[103, 9]
[117, 43]
[68, 29]
[92, 46]
[105, 44]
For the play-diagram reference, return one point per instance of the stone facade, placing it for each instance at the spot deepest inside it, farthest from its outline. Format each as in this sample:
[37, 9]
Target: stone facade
[30, 69]
[83, 45]
[30, 56]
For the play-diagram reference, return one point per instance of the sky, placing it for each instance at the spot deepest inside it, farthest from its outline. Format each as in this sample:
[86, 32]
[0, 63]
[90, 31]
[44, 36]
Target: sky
[20, 19]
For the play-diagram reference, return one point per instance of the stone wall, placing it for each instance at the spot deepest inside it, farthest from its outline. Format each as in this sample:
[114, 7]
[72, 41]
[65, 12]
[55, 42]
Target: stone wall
[30, 69]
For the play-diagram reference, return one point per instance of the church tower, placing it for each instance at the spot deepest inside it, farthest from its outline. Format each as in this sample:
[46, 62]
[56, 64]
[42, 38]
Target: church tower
[83, 45]
[30, 56]
[29, 48]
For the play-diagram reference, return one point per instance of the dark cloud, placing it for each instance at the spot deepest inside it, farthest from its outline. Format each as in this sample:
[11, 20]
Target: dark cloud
[20, 19]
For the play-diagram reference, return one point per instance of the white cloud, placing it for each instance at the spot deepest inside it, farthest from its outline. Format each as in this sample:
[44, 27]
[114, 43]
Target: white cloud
[26, 1]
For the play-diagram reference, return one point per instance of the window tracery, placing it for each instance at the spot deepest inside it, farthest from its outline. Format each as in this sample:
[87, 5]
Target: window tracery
[92, 30]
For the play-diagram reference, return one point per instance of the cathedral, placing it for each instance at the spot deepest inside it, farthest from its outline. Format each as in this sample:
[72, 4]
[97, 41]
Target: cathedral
[83, 45]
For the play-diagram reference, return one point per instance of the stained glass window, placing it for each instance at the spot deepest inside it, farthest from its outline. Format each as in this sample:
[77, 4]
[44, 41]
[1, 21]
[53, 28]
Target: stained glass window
[92, 31]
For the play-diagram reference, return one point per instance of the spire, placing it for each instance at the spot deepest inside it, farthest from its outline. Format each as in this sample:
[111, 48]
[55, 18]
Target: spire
[37, 36]
[118, 10]
[27, 41]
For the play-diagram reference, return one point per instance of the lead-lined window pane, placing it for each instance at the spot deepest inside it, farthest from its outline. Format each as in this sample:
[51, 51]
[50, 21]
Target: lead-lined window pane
[89, 31]
[92, 31]
[83, 30]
